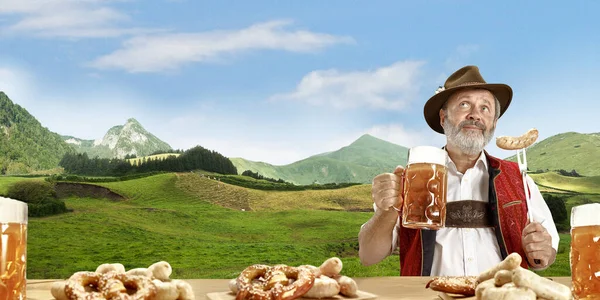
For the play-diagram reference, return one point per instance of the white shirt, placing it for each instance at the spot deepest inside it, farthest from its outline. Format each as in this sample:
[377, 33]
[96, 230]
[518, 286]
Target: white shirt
[471, 251]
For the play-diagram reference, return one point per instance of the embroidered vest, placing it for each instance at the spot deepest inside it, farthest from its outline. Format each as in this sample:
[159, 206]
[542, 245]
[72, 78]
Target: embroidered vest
[509, 216]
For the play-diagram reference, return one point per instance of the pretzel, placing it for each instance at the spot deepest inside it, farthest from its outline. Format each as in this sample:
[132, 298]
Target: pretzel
[462, 285]
[515, 143]
[84, 285]
[246, 288]
[122, 286]
[277, 282]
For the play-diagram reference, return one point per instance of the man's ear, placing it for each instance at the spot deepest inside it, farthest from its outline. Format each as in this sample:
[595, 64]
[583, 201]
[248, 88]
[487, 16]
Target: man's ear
[442, 117]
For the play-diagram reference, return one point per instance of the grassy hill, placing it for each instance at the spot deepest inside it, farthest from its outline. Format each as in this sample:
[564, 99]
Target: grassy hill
[198, 225]
[568, 151]
[358, 162]
[164, 219]
[587, 185]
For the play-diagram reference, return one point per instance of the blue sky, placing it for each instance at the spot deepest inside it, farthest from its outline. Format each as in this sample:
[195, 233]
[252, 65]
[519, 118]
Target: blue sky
[278, 81]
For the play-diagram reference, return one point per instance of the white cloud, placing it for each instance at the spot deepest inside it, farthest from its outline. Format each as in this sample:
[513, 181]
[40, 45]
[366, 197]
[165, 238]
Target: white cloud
[391, 87]
[163, 52]
[66, 18]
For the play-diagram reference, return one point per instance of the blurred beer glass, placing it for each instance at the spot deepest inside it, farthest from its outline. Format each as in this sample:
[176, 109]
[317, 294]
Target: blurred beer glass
[585, 251]
[13, 249]
[425, 181]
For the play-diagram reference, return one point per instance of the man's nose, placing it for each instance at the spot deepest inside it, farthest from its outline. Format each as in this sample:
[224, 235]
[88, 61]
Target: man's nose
[474, 115]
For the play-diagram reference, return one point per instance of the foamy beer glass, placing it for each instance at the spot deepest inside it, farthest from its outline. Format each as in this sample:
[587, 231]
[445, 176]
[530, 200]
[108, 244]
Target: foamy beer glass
[585, 251]
[13, 249]
[425, 180]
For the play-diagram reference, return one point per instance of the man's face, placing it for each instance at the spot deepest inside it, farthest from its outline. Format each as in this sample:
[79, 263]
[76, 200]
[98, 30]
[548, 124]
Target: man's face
[470, 120]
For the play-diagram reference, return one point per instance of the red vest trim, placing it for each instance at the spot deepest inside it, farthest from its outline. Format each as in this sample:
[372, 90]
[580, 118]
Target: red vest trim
[509, 215]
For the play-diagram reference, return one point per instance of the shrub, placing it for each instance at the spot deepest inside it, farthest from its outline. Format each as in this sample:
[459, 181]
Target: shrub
[31, 191]
[46, 208]
[40, 197]
[557, 207]
[573, 173]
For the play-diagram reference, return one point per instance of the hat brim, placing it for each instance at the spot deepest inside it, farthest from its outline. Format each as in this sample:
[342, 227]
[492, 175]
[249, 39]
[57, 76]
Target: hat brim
[432, 107]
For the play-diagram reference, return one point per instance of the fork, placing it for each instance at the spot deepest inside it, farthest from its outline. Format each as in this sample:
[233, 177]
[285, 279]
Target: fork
[523, 168]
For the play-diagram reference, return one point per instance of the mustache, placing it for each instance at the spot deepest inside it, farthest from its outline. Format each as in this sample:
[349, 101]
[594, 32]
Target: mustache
[472, 123]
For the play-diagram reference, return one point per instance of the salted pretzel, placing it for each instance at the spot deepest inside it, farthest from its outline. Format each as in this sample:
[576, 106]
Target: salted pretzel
[462, 285]
[111, 285]
[84, 285]
[116, 286]
[515, 143]
[281, 282]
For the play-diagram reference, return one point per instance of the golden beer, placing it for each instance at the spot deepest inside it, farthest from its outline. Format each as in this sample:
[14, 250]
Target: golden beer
[585, 262]
[13, 249]
[425, 181]
[585, 251]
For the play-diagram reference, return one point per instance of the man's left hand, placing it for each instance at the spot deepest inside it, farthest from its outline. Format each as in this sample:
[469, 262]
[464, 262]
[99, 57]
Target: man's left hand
[537, 244]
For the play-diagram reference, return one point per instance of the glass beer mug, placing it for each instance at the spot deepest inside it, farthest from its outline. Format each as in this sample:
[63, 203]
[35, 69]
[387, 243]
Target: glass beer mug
[585, 251]
[13, 249]
[425, 180]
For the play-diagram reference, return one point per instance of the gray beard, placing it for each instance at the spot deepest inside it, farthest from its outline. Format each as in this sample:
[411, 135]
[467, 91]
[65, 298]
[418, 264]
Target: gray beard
[471, 143]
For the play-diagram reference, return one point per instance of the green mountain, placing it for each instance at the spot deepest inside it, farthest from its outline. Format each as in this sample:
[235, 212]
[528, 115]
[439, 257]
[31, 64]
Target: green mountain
[25, 145]
[360, 161]
[119, 141]
[567, 151]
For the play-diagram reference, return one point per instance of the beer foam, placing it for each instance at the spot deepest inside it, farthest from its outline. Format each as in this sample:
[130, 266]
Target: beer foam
[427, 154]
[12, 211]
[585, 215]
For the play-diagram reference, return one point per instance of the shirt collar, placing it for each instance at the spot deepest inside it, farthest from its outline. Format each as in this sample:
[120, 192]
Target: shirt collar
[482, 160]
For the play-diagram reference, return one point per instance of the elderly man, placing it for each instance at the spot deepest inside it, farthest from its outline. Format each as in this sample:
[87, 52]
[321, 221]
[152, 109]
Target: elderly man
[466, 109]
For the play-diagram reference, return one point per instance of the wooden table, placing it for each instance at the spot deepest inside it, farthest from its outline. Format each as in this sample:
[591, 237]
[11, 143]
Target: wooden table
[384, 287]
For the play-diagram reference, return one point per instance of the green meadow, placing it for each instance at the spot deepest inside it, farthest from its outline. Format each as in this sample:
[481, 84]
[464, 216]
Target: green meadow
[209, 229]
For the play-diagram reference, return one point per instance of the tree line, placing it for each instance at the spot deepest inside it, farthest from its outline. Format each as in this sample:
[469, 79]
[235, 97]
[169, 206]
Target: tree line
[178, 151]
[279, 186]
[255, 175]
[192, 159]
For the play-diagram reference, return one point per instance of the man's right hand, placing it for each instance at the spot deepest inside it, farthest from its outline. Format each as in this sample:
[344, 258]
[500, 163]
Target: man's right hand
[386, 189]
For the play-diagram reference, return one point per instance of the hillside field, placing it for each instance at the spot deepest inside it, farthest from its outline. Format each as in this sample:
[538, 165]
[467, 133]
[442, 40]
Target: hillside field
[209, 229]
[586, 185]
